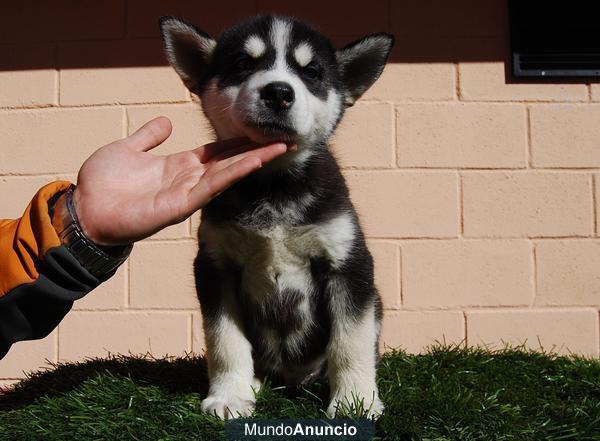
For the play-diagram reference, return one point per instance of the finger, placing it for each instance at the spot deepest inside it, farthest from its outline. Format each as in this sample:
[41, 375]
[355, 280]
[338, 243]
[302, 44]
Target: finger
[242, 149]
[206, 152]
[210, 186]
[150, 135]
[265, 154]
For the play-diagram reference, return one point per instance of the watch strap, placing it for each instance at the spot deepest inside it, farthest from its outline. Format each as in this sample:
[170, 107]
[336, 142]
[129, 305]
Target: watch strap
[100, 261]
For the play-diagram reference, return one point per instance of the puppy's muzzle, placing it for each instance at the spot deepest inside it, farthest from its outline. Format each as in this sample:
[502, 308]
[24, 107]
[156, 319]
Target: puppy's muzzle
[278, 96]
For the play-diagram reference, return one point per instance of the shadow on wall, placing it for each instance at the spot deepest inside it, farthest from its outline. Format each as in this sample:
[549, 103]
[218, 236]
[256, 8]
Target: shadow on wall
[118, 33]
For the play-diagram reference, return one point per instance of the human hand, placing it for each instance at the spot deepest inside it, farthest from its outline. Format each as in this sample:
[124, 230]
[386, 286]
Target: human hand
[124, 193]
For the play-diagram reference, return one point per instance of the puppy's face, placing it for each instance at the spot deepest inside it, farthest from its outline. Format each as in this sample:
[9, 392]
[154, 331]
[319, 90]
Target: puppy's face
[273, 78]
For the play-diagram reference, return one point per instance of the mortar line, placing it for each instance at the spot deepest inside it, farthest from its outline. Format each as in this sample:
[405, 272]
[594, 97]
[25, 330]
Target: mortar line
[185, 101]
[395, 153]
[595, 205]
[125, 18]
[56, 346]
[535, 272]
[589, 91]
[190, 333]
[404, 169]
[57, 78]
[528, 135]
[126, 121]
[400, 263]
[461, 206]
[128, 284]
[466, 336]
[457, 93]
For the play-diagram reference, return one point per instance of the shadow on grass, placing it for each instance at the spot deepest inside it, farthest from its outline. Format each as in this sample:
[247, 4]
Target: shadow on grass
[175, 375]
[447, 393]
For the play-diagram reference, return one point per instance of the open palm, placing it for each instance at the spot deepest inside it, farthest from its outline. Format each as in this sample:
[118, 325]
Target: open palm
[124, 193]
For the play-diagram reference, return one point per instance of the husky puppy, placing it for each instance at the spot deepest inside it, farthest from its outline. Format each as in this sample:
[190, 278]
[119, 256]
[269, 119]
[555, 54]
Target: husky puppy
[284, 277]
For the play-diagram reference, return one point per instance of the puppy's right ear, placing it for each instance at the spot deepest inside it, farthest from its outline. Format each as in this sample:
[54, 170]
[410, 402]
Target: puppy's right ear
[188, 49]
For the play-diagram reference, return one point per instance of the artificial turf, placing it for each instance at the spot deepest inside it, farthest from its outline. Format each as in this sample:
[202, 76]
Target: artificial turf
[449, 393]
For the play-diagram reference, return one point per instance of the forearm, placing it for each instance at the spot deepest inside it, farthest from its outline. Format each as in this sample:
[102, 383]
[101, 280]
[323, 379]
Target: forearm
[39, 277]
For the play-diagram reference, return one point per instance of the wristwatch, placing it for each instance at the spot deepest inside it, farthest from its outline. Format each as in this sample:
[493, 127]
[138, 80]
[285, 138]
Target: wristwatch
[100, 261]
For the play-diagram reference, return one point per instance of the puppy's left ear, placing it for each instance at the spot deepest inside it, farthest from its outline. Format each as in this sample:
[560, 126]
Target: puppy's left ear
[189, 50]
[361, 63]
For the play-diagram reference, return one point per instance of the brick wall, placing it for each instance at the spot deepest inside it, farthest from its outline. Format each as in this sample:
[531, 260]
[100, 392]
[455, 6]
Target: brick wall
[479, 195]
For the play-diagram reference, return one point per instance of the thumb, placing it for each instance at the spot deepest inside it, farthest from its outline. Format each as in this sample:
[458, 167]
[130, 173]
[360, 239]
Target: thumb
[150, 135]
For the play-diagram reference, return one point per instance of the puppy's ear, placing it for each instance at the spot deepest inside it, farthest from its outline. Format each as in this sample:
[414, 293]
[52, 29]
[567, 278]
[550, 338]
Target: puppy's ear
[361, 62]
[188, 49]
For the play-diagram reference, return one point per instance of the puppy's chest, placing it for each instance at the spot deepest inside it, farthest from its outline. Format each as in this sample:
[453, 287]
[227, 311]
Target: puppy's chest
[277, 258]
[271, 260]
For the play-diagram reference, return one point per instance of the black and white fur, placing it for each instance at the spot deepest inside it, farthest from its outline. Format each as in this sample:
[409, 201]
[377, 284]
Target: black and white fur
[284, 277]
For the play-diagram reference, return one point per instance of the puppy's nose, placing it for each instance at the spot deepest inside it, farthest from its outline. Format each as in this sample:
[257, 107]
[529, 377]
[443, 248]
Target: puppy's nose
[277, 95]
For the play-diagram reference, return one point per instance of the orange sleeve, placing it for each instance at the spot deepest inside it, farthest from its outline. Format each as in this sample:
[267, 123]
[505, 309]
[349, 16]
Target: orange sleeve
[24, 241]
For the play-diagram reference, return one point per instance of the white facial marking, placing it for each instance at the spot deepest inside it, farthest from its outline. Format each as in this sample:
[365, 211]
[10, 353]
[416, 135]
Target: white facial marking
[233, 110]
[280, 36]
[303, 54]
[254, 46]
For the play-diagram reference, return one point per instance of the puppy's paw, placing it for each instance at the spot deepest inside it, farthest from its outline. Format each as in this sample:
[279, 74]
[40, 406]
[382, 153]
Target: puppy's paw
[352, 401]
[228, 407]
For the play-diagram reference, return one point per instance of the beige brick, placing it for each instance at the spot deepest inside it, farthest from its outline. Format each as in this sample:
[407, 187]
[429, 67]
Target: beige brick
[567, 273]
[31, 20]
[480, 81]
[162, 275]
[527, 204]
[28, 356]
[143, 15]
[414, 81]
[595, 89]
[55, 140]
[415, 330]
[190, 128]
[461, 135]
[365, 136]
[198, 345]
[28, 88]
[325, 16]
[131, 74]
[457, 18]
[95, 334]
[563, 331]
[565, 135]
[406, 204]
[195, 219]
[177, 231]
[453, 273]
[6, 385]
[111, 294]
[16, 193]
[120, 85]
[597, 200]
[386, 257]
[27, 57]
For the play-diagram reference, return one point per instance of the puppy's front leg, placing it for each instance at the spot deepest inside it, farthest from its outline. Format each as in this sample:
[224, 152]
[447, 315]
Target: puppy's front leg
[230, 368]
[352, 353]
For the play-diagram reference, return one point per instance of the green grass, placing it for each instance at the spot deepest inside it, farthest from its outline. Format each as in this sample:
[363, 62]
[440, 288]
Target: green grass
[449, 393]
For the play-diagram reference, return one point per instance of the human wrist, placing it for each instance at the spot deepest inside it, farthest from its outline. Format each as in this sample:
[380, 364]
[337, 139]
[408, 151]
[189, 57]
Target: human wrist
[100, 260]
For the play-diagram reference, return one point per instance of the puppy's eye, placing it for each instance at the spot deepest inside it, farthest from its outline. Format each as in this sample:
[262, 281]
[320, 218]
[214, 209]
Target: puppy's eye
[312, 71]
[243, 63]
